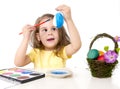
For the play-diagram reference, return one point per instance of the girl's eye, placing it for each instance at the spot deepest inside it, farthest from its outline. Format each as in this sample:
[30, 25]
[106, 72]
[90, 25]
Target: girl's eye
[44, 30]
[54, 28]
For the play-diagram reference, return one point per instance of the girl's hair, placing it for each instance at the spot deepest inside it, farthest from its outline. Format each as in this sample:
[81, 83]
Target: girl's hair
[63, 37]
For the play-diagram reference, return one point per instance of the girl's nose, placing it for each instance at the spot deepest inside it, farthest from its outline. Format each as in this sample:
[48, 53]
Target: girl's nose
[49, 32]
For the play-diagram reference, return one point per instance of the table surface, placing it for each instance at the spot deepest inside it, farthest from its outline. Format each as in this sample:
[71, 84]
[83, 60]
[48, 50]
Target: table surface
[81, 79]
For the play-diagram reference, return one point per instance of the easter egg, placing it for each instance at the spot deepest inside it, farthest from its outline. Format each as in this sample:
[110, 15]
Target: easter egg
[101, 58]
[58, 20]
[101, 53]
[92, 54]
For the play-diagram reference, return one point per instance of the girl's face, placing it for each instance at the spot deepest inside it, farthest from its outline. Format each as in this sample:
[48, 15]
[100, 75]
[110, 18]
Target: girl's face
[48, 34]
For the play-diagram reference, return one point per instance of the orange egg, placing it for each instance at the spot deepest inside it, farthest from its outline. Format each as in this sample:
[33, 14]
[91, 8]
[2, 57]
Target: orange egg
[101, 53]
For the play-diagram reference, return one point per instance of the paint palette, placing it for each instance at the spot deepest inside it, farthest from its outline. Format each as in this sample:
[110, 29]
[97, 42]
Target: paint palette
[19, 75]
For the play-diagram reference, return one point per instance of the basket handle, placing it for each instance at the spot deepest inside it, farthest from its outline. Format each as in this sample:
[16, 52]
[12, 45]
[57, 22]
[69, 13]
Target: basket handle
[104, 35]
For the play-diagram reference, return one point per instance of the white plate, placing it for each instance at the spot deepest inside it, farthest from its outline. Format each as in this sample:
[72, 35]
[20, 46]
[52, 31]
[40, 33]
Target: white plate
[60, 73]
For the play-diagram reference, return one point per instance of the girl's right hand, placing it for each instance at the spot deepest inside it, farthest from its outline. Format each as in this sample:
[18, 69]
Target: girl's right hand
[27, 29]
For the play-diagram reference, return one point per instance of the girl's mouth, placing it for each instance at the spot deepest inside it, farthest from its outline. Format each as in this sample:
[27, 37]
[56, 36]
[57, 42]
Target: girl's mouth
[50, 39]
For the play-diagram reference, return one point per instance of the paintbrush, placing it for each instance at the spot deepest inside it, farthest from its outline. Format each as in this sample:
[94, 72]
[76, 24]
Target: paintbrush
[38, 24]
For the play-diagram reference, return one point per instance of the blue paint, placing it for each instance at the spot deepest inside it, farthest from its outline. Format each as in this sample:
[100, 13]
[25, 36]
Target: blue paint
[59, 72]
[26, 72]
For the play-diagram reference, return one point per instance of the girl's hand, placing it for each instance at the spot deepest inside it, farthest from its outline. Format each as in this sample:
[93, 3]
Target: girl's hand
[27, 29]
[66, 11]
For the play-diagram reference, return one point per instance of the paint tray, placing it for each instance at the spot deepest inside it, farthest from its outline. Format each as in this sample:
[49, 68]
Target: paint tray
[19, 75]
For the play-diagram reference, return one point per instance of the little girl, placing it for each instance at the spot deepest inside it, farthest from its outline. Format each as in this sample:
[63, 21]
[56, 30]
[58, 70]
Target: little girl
[51, 46]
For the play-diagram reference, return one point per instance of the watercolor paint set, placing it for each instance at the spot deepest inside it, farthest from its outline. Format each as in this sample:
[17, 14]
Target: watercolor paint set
[19, 75]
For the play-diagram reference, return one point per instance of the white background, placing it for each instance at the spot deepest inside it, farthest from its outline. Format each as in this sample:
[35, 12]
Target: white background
[91, 17]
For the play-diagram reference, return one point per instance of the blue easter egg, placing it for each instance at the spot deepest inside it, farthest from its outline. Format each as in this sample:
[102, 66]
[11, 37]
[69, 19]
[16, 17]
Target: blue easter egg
[58, 20]
[92, 54]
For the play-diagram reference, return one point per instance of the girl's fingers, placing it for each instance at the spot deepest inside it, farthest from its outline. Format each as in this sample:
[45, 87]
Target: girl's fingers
[27, 28]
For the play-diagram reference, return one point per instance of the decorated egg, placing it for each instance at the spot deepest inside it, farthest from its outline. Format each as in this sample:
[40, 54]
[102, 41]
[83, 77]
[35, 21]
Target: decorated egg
[92, 54]
[101, 58]
[101, 52]
[58, 20]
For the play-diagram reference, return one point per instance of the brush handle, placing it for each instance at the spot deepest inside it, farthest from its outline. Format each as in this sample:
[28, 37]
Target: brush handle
[37, 25]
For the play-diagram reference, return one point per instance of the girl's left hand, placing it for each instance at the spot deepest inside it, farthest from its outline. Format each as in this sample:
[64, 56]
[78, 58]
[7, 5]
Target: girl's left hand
[65, 10]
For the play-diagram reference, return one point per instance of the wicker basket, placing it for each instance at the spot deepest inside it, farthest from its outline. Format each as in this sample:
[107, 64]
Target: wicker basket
[101, 69]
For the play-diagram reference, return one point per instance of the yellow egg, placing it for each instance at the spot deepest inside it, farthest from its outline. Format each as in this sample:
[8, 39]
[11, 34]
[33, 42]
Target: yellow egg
[101, 53]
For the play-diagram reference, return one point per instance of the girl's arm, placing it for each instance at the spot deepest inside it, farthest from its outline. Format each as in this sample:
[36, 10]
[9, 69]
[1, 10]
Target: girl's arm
[73, 32]
[20, 58]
